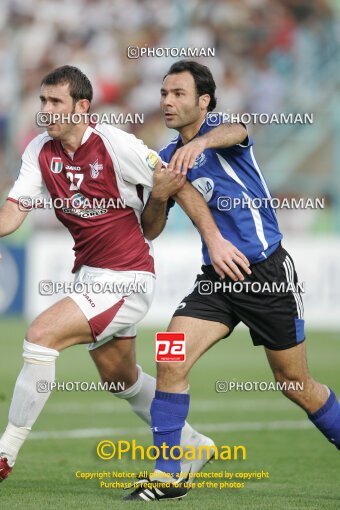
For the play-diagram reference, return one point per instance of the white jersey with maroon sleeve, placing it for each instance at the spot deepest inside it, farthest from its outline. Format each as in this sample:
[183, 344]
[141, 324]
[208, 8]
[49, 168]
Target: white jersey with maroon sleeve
[110, 167]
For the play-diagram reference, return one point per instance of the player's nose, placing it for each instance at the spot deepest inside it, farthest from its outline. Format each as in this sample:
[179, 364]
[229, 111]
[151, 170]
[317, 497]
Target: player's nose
[167, 101]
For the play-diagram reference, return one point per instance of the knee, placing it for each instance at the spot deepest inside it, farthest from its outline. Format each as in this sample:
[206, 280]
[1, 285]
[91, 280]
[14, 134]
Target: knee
[118, 378]
[41, 335]
[293, 386]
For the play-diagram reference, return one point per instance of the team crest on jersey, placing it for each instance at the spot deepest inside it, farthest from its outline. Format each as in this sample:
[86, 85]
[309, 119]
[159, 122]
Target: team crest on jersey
[200, 160]
[56, 165]
[205, 186]
[95, 169]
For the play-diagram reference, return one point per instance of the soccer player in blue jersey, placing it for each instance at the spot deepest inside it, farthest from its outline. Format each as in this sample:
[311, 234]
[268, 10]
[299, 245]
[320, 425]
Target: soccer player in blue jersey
[219, 161]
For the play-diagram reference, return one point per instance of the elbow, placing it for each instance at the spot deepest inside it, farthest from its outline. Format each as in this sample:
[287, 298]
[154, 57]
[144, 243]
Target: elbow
[148, 233]
[149, 237]
[151, 233]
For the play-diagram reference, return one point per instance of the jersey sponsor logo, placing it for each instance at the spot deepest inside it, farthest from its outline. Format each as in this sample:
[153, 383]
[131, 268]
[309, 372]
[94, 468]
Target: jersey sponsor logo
[85, 213]
[200, 160]
[95, 169]
[56, 165]
[78, 200]
[82, 208]
[170, 346]
[205, 186]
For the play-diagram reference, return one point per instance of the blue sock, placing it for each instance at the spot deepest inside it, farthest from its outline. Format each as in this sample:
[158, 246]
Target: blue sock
[327, 419]
[168, 414]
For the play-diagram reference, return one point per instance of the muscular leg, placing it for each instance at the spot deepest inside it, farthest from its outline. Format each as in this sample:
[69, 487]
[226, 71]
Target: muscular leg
[317, 400]
[59, 327]
[200, 335]
[290, 365]
[170, 406]
[116, 362]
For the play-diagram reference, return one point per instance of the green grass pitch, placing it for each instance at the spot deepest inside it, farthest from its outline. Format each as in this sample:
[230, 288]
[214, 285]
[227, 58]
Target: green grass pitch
[303, 467]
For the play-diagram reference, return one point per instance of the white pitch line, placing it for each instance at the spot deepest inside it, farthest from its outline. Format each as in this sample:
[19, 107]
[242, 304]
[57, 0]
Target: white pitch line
[201, 406]
[202, 427]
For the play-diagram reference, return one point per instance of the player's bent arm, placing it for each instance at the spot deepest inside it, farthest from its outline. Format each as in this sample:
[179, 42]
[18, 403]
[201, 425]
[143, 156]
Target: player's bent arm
[154, 217]
[225, 135]
[165, 185]
[221, 137]
[225, 257]
[196, 208]
[10, 218]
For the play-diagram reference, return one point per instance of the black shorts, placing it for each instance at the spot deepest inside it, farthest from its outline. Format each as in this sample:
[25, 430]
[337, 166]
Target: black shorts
[268, 302]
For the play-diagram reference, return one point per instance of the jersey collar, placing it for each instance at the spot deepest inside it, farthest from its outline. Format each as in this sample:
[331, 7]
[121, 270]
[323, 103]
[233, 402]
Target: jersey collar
[87, 133]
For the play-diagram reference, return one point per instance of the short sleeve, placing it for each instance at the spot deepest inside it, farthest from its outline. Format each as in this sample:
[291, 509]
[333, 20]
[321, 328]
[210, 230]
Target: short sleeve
[29, 182]
[136, 161]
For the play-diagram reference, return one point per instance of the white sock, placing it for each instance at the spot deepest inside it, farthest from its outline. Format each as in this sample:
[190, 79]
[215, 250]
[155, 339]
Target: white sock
[27, 401]
[140, 397]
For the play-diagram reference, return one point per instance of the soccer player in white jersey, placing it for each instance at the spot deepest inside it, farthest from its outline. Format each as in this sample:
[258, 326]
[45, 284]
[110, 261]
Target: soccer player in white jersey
[219, 161]
[78, 161]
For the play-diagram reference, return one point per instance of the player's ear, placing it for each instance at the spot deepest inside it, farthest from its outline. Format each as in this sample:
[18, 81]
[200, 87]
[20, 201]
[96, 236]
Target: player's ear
[82, 106]
[204, 101]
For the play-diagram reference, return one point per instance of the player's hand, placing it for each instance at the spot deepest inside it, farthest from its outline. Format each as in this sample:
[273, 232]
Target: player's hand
[227, 259]
[166, 183]
[185, 157]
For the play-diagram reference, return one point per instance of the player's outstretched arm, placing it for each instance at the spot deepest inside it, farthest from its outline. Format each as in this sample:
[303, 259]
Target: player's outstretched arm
[165, 184]
[224, 256]
[221, 137]
[10, 218]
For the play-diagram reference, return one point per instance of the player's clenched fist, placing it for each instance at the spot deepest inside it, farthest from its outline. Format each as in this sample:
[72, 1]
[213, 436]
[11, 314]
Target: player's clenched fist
[166, 183]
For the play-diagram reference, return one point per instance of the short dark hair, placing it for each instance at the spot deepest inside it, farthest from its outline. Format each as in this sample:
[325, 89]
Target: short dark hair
[204, 80]
[79, 84]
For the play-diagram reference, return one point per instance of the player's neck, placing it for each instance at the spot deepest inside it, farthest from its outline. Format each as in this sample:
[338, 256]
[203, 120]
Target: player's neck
[190, 131]
[72, 141]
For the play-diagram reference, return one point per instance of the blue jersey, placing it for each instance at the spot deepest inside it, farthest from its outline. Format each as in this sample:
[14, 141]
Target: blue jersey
[235, 190]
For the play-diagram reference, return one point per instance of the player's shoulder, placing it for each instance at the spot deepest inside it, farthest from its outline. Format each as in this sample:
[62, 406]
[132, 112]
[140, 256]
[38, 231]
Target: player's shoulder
[113, 133]
[211, 121]
[126, 145]
[36, 144]
[167, 151]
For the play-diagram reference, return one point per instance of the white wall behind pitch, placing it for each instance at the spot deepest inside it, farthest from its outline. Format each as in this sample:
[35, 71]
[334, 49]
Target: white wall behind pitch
[178, 260]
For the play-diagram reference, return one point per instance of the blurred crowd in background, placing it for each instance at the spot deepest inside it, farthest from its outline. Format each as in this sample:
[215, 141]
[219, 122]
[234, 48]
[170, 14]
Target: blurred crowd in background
[265, 49]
